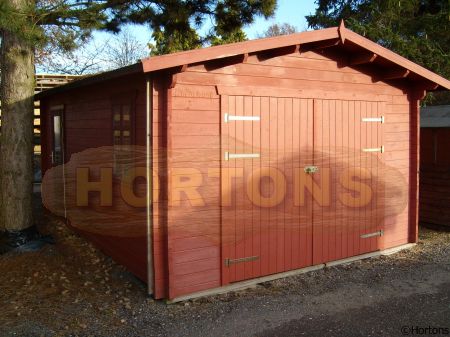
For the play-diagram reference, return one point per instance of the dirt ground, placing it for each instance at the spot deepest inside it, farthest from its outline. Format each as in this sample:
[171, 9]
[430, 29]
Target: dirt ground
[71, 289]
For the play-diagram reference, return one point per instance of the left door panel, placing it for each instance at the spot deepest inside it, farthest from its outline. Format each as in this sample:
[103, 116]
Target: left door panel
[266, 143]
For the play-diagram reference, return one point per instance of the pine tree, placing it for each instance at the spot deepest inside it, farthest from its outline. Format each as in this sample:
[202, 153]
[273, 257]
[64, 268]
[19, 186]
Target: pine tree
[175, 23]
[416, 29]
[27, 26]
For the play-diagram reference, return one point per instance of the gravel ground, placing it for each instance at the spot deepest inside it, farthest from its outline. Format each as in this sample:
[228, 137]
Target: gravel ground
[71, 289]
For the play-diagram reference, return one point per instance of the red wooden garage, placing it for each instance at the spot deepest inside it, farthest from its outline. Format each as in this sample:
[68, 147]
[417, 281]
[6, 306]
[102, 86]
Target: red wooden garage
[268, 156]
[435, 166]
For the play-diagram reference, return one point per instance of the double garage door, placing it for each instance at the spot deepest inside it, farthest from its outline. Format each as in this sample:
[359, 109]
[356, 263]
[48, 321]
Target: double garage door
[301, 183]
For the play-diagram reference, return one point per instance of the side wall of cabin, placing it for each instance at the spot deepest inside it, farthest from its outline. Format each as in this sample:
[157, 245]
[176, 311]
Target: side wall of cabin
[120, 230]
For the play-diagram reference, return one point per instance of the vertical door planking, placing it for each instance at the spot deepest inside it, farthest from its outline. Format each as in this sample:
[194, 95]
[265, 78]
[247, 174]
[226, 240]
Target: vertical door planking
[256, 165]
[296, 217]
[309, 154]
[347, 162]
[318, 233]
[280, 218]
[339, 223]
[265, 186]
[288, 174]
[226, 217]
[247, 210]
[331, 218]
[354, 213]
[239, 204]
[273, 116]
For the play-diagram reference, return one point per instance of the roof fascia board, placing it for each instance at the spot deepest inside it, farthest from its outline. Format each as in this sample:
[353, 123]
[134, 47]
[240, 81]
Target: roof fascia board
[395, 58]
[93, 79]
[173, 62]
[224, 51]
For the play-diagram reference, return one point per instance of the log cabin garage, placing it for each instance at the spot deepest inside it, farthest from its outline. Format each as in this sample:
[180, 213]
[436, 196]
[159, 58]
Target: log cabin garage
[206, 170]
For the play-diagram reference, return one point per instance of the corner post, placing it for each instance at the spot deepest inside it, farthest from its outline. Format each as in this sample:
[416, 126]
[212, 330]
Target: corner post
[414, 100]
[149, 168]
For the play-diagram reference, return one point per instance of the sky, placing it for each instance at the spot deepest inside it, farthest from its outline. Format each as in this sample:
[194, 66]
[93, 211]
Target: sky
[288, 11]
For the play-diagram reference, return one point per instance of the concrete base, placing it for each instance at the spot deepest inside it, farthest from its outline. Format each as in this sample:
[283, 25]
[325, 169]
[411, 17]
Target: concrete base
[397, 249]
[253, 282]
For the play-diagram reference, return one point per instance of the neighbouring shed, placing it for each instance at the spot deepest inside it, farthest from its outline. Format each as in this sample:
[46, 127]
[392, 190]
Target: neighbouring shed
[268, 156]
[435, 165]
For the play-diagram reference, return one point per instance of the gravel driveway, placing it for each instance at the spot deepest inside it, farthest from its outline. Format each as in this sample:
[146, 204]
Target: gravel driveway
[71, 289]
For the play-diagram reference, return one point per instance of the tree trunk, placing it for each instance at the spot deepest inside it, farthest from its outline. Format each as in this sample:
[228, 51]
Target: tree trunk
[16, 149]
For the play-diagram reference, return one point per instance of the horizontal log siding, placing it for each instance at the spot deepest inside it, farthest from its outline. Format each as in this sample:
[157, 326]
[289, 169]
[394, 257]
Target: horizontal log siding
[88, 125]
[397, 157]
[193, 220]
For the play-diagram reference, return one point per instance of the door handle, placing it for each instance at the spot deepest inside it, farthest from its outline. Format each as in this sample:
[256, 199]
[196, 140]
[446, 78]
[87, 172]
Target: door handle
[311, 169]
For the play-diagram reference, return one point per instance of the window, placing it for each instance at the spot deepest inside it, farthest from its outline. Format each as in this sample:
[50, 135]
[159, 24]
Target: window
[122, 136]
[57, 154]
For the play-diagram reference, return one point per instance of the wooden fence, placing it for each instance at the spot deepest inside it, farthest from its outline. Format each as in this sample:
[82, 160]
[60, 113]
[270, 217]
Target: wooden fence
[43, 82]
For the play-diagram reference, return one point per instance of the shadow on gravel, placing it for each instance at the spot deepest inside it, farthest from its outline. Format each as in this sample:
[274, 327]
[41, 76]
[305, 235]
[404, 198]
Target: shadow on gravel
[411, 315]
[72, 289]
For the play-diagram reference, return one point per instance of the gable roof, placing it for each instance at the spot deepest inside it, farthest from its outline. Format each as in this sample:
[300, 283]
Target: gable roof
[234, 49]
[360, 50]
[342, 36]
[394, 58]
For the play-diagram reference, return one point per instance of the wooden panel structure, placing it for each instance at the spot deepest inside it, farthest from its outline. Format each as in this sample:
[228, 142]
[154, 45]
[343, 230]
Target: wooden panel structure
[260, 220]
[87, 122]
[347, 242]
[435, 176]
[299, 233]
[193, 189]
[350, 201]
[233, 129]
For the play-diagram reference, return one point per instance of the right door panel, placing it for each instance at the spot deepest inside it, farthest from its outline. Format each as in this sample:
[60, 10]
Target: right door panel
[348, 193]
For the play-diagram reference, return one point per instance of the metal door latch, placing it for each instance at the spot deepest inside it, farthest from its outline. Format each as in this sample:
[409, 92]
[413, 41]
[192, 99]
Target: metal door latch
[311, 169]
